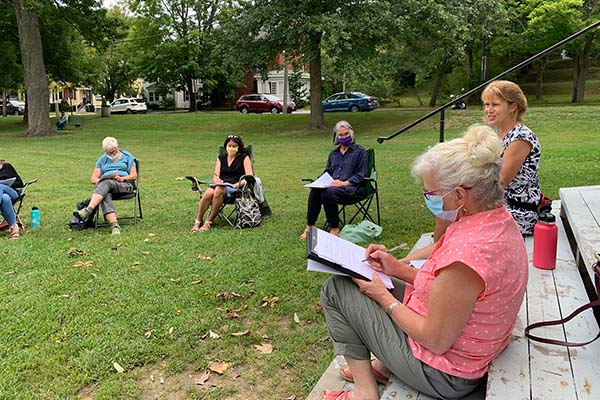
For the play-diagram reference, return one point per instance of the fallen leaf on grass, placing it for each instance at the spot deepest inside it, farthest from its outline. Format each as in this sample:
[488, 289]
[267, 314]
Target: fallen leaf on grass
[291, 398]
[243, 333]
[145, 253]
[201, 380]
[175, 280]
[219, 367]
[226, 295]
[203, 257]
[179, 178]
[178, 312]
[171, 330]
[83, 264]
[162, 380]
[265, 348]
[146, 240]
[233, 315]
[148, 334]
[213, 335]
[9, 273]
[118, 367]
[296, 318]
[269, 301]
[199, 281]
[152, 234]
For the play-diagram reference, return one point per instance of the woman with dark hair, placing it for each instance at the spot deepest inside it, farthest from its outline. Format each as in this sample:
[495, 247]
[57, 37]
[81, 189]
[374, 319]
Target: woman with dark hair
[229, 169]
[348, 165]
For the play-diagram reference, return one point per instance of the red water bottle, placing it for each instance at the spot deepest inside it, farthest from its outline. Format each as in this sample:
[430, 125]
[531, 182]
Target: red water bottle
[545, 237]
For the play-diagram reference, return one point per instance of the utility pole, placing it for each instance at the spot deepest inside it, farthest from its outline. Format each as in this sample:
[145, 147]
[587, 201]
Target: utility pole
[285, 83]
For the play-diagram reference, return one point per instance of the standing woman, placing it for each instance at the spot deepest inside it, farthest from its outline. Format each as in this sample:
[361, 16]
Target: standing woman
[348, 165]
[229, 169]
[504, 106]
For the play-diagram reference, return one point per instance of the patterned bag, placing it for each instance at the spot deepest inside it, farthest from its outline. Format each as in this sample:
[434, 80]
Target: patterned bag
[248, 212]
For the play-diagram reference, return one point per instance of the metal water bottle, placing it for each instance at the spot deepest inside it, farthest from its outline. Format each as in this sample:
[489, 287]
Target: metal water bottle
[545, 237]
[35, 217]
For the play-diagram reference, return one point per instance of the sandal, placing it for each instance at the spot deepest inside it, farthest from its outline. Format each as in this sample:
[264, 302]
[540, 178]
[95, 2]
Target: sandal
[196, 227]
[14, 235]
[379, 377]
[206, 226]
[335, 395]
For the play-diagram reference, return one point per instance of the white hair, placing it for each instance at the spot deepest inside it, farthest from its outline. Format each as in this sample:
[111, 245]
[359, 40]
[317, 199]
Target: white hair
[471, 161]
[109, 143]
[342, 124]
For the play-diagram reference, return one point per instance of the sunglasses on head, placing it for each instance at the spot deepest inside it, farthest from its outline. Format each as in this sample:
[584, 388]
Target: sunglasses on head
[233, 137]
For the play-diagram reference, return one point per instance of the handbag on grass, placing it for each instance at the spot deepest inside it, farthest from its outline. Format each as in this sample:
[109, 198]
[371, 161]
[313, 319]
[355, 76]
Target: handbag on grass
[248, 211]
[592, 304]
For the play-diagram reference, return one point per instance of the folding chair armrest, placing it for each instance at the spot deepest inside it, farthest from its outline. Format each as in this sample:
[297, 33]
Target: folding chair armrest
[30, 183]
[307, 180]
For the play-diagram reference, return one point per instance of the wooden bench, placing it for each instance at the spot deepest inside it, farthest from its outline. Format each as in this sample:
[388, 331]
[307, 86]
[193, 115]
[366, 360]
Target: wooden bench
[527, 370]
[76, 120]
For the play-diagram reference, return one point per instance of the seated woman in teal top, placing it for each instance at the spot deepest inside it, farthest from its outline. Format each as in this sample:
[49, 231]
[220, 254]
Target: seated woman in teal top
[115, 172]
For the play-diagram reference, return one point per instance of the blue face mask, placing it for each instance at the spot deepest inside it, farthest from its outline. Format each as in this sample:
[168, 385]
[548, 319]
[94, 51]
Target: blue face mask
[435, 204]
[345, 140]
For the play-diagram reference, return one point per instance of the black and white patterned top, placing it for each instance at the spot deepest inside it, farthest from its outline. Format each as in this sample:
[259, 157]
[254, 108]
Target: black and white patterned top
[523, 191]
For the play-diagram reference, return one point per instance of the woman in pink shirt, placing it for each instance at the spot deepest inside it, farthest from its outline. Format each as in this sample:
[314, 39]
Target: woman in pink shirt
[443, 324]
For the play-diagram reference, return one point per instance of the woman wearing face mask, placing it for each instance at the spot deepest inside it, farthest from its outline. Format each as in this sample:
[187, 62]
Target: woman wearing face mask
[229, 169]
[348, 165]
[115, 172]
[443, 324]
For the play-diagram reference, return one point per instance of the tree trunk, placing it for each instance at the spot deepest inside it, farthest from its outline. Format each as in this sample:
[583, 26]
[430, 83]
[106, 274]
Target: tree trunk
[469, 67]
[35, 79]
[439, 76]
[581, 65]
[316, 94]
[539, 78]
[190, 87]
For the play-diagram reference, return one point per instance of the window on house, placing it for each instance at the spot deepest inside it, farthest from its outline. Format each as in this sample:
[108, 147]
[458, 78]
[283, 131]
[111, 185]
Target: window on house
[151, 97]
[273, 87]
[186, 96]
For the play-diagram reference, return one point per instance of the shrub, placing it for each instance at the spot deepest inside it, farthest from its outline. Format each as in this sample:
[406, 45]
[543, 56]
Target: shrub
[64, 105]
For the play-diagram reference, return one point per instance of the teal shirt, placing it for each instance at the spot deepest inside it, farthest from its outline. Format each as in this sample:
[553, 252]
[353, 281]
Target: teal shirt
[122, 165]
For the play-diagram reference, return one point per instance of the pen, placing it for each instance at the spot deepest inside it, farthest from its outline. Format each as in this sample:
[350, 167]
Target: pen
[399, 247]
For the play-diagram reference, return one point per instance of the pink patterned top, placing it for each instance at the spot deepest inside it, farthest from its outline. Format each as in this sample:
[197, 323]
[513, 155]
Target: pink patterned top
[490, 243]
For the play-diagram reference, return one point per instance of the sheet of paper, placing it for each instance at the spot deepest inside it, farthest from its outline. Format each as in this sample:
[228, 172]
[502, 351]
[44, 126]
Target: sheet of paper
[347, 254]
[322, 182]
[418, 263]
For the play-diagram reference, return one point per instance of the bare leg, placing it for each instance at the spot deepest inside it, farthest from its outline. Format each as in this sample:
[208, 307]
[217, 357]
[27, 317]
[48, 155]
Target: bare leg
[365, 385]
[110, 217]
[303, 235]
[96, 199]
[203, 205]
[217, 200]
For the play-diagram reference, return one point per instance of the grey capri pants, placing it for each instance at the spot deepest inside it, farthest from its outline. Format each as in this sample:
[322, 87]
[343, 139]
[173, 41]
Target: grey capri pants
[107, 188]
[358, 326]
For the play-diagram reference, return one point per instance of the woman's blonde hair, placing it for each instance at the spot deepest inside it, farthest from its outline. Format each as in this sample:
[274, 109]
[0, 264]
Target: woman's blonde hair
[109, 143]
[471, 161]
[509, 92]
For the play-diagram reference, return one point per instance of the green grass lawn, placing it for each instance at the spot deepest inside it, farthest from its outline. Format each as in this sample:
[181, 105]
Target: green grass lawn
[163, 303]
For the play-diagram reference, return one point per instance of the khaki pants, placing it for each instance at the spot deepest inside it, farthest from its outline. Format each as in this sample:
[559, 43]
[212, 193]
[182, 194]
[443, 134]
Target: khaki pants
[358, 326]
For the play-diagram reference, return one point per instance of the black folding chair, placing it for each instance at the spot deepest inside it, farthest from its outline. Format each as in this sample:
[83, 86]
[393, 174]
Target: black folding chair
[363, 203]
[18, 203]
[137, 203]
[226, 214]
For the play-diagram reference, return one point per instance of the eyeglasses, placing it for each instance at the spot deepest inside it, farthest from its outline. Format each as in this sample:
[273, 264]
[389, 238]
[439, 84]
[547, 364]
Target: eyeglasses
[429, 193]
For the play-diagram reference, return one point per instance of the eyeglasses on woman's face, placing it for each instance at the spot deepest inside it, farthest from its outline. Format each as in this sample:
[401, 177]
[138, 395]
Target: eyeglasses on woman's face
[428, 194]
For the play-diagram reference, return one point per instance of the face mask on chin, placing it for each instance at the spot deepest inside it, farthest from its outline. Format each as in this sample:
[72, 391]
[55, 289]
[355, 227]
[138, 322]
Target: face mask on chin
[435, 204]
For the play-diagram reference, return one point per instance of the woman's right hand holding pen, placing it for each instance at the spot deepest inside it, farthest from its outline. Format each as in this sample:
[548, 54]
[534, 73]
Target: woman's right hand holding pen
[379, 259]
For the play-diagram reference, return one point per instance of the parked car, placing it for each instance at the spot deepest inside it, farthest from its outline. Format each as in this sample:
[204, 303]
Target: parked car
[13, 107]
[353, 102]
[127, 106]
[260, 103]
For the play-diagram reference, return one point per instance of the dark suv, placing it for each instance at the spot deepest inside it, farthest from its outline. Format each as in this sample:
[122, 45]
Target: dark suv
[260, 103]
[14, 107]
